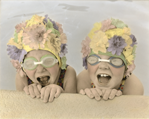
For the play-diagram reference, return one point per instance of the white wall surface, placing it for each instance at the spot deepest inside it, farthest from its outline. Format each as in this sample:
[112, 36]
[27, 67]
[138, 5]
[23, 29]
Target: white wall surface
[77, 18]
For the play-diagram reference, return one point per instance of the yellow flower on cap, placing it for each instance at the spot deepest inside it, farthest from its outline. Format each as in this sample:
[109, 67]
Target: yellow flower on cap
[127, 40]
[111, 32]
[126, 31]
[99, 42]
[96, 27]
[128, 55]
[35, 20]
[38, 33]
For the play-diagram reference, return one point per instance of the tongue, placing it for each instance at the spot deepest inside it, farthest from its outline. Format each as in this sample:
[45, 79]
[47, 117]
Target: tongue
[103, 80]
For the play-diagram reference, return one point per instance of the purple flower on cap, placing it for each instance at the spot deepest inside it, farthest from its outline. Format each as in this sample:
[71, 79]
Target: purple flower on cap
[117, 43]
[63, 50]
[15, 53]
[134, 41]
[46, 20]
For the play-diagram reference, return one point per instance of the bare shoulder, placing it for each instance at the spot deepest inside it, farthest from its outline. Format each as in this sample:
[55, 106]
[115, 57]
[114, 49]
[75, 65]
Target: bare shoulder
[83, 80]
[70, 81]
[133, 86]
[21, 82]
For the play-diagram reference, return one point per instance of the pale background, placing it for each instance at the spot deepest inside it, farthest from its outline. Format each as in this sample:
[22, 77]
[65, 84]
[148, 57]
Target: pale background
[77, 18]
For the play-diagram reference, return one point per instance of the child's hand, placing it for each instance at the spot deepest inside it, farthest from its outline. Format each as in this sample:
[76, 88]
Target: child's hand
[33, 90]
[92, 93]
[48, 93]
[110, 93]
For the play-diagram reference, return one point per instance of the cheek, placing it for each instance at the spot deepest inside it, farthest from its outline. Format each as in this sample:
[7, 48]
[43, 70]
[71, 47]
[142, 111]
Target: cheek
[54, 70]
[92, 69]
[118, 72]
[30, 74]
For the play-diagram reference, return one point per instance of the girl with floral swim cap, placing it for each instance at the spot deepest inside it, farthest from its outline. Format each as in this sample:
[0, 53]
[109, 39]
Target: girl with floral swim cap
[108, 56]
[38, 51]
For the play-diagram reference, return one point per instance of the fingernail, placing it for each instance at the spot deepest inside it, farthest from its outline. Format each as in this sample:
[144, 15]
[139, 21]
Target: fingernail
[45, 101]
[98, 98]
[50, 100]
[38, 96]
[91, 96]
[33, 96]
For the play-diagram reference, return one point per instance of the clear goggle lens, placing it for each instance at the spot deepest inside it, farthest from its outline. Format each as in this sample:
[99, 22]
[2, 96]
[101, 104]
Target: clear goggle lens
[116, 62]
[31, 63]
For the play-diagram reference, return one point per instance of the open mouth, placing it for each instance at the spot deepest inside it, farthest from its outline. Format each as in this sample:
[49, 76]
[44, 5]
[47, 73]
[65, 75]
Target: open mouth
[44, 80]
[103, 79]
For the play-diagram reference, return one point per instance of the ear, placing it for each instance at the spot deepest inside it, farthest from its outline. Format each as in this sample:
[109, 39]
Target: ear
[17, 65]
[129, 70]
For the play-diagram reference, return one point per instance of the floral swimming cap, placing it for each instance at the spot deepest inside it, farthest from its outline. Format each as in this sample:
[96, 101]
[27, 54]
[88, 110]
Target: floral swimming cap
[38, 33]
[113, 37]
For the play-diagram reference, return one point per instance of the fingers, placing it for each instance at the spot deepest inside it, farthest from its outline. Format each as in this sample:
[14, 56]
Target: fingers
[39, 87]
[42, 92]
[119, 93]
[31, 91]
[52, 94]
[89, 93]
[106, 94]
[57, 94]
[36, 90]
[82, 92]
[26, 90]
[46, 94]
[96, 94]
[49, 92]
[113, 94]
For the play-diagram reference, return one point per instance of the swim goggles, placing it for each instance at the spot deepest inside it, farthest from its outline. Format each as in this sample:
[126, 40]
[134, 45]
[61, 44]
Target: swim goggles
[46, 61]
[114, 61]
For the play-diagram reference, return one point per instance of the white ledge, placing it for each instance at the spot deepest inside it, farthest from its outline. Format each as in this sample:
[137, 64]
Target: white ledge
[18, 105]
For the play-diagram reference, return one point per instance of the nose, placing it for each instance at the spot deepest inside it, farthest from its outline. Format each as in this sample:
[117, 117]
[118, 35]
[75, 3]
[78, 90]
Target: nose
[40, 68]
[103, 65]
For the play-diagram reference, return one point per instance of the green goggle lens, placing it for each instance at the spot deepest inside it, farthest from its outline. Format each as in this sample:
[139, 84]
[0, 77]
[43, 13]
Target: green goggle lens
[46, 61]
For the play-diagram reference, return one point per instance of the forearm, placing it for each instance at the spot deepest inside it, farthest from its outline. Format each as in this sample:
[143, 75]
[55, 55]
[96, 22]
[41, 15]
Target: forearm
[20, 82]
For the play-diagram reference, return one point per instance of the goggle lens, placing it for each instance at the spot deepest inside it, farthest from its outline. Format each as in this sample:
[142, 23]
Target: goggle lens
[49, 61]
[29, 64]
[92, 59]
[46, 61]
[116, 62]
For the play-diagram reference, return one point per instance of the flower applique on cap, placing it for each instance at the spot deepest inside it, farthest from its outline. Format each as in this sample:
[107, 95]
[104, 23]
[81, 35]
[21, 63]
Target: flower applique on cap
[38, 33]
[111, 36]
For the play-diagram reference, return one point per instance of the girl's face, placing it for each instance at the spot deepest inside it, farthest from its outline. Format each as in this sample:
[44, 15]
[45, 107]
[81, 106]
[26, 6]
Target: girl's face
[40, 74]
[104, 75]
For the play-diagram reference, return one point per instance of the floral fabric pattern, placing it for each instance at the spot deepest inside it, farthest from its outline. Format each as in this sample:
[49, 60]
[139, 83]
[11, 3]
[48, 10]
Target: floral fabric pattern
[111, 35]
[99, 42]
[86, 46]
[38, 33]
[117, 43]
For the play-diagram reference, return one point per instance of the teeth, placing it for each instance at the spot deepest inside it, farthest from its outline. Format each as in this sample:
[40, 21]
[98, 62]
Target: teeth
[104, 75]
